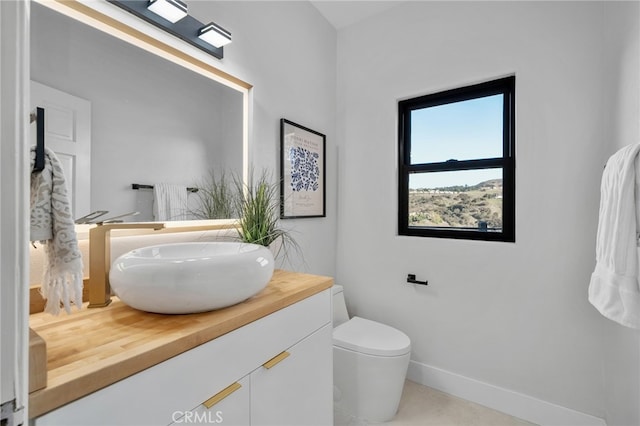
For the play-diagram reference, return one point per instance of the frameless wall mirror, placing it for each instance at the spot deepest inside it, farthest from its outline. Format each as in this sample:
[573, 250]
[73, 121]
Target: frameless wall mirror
[118, 115]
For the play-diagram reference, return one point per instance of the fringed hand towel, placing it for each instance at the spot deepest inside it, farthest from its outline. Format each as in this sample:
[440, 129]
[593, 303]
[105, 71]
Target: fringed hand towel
[170, 202]
[614, 289]
[53, 225]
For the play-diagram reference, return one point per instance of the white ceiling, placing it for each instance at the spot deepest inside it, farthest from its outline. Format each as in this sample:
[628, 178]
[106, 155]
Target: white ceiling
[342, 13]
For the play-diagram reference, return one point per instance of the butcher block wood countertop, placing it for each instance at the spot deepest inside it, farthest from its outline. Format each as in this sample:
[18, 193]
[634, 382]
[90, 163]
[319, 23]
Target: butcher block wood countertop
[93, 348]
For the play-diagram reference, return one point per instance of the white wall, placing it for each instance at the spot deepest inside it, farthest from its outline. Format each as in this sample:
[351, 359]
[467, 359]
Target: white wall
[621, 364]
[287, 51]
[152, 121]
[515, 316]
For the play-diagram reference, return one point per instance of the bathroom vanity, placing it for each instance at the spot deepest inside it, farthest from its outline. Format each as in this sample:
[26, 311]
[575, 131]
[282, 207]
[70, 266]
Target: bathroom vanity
[267, 360]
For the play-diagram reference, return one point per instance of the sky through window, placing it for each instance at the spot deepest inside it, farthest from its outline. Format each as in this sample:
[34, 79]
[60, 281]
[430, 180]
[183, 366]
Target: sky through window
[461, 130]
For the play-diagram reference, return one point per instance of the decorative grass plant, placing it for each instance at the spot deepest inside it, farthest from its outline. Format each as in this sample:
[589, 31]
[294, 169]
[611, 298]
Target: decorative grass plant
[258, 202]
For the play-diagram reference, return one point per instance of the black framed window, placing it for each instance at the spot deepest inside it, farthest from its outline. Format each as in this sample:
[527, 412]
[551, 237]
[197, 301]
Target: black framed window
[457, 163]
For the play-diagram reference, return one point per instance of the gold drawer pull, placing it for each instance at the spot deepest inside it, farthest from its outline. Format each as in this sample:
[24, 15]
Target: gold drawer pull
[276, 359]
[221, 395]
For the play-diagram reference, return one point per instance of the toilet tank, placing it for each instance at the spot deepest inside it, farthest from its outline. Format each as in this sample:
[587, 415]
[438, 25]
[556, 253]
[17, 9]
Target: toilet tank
[340, 314]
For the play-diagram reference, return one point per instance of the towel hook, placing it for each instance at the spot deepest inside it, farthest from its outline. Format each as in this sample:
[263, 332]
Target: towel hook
[39, 118]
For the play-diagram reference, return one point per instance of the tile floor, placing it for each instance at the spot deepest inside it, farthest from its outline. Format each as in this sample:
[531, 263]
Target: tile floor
[423, 406]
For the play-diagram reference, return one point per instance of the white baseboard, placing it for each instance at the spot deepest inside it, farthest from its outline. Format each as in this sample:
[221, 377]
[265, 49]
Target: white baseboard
[513, 403]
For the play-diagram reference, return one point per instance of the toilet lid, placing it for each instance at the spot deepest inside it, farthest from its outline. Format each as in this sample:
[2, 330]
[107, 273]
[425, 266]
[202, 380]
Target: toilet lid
[370, 337]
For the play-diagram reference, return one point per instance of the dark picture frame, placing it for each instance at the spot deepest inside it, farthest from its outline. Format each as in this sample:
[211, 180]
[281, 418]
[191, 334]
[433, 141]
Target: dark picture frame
[302, 171]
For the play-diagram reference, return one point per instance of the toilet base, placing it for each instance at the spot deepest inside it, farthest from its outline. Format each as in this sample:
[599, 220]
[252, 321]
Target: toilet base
[367, 388]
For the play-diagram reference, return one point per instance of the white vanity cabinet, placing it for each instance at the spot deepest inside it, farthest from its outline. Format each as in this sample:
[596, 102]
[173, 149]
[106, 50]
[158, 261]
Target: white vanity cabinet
[266, 395]
[296, 391]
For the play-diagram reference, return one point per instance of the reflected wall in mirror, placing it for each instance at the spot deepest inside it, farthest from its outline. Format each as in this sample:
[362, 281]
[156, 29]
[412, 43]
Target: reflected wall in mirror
[152, 121]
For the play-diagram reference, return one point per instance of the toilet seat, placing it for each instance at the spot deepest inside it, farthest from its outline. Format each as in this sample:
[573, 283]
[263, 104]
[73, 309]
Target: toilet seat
[371, 338]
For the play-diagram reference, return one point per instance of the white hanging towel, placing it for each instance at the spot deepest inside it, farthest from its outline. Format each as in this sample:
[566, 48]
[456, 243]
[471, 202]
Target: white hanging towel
[52, 224]
[170, 202]
[614, 288]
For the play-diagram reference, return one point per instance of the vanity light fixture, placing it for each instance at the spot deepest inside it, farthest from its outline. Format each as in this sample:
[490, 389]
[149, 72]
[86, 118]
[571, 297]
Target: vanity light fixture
[209, 38]
[171, 10]
[215, 35]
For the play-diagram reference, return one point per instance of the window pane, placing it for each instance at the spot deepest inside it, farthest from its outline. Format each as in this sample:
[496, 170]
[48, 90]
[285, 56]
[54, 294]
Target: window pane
[462, 130]
[459, 199]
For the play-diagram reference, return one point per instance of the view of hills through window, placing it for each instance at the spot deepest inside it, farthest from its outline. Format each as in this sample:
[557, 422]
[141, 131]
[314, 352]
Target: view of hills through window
[458, 206]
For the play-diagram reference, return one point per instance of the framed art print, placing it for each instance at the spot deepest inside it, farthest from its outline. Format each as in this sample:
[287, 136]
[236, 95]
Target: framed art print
[302, 171]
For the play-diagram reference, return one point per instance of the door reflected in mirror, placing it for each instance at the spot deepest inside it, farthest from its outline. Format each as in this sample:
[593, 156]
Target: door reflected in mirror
[152, 122]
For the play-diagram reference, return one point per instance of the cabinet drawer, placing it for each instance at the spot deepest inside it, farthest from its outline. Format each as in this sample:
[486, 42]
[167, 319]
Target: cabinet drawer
[232, 410]
[297, 390]
[152, 396]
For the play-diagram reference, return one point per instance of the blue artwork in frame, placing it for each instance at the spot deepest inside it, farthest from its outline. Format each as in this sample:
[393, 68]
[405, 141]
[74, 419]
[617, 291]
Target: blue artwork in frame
[302, 171]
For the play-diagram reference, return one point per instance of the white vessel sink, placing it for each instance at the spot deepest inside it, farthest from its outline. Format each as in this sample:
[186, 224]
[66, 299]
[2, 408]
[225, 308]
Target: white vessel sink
[184, 278]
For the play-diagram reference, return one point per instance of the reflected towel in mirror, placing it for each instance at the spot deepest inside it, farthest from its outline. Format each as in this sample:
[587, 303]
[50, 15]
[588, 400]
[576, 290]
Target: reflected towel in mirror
[52, 224]
[170, 202]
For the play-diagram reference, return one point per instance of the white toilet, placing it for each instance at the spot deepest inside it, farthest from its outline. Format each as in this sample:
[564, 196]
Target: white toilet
[370, 363]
